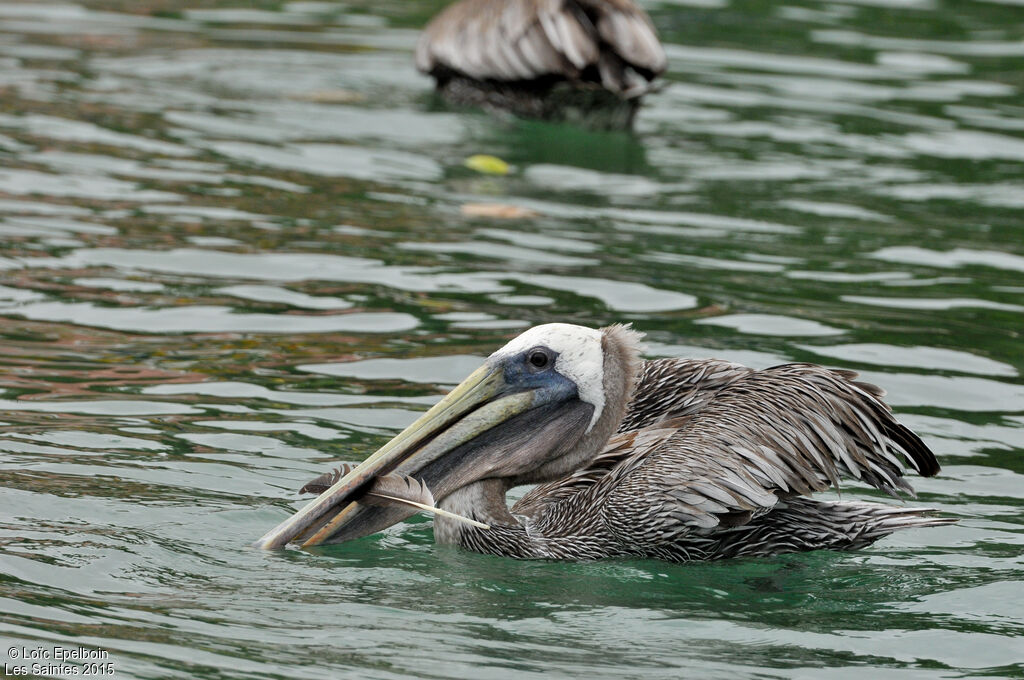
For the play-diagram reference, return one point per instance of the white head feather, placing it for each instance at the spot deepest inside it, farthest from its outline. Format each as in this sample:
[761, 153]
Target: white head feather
[580, 357]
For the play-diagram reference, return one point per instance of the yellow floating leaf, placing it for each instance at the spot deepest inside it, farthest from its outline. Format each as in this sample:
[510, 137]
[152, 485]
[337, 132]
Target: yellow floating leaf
[500, 211]
[489, 165]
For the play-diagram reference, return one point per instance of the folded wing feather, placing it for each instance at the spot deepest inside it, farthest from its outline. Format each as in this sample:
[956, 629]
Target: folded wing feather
[760, 436]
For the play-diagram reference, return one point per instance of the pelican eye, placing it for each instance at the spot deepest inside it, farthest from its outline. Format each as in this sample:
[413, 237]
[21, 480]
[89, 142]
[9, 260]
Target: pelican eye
[539, 359]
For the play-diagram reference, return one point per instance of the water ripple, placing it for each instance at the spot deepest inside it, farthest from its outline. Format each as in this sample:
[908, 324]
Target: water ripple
[240, 244]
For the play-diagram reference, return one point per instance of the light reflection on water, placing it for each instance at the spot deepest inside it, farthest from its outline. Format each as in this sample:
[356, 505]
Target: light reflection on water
[233, 251]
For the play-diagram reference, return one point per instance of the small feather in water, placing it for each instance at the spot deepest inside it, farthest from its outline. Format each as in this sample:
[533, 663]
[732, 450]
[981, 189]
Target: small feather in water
[390, 490]
[412, 492]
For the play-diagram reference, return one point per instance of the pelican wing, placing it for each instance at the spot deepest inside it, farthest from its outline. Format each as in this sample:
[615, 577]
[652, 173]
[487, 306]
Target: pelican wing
[507, 40]
[672, 388]
[667, 391]
[511, 40]
[783, 431]
[630, 33]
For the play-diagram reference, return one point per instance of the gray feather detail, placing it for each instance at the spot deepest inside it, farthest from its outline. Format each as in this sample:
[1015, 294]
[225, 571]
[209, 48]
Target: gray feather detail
[397, 487]
[327, 479]
[390, 490]
[386, 490]
[393, 488]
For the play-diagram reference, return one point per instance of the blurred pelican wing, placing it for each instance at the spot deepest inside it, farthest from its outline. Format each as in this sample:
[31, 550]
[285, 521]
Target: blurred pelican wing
[514, 40]
[629, 30]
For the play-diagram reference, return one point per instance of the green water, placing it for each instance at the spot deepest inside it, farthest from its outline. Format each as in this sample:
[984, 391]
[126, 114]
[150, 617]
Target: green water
[233, 250]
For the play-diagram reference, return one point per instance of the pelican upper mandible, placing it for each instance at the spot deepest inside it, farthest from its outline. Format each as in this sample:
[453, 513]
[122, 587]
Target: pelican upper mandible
[672, 458]
[588, 61]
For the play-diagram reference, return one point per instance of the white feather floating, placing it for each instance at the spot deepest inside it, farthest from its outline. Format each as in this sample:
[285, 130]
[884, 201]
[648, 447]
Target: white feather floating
[434, 510]
[391, 490]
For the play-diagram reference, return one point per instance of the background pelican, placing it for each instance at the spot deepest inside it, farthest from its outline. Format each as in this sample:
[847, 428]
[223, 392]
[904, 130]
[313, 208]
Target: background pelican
[676, 459]
[583, 60]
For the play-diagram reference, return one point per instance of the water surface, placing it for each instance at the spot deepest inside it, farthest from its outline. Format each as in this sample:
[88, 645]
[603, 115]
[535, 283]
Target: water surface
[238, 244]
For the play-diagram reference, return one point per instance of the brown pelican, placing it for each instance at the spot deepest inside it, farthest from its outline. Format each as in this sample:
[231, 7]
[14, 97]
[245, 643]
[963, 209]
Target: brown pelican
[670, 458]
[586, 61]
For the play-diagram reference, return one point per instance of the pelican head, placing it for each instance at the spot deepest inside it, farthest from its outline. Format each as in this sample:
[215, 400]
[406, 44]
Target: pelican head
[541, 406]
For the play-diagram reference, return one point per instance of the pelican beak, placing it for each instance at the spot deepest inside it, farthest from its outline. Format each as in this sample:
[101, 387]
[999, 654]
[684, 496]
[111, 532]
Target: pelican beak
[481, 402]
